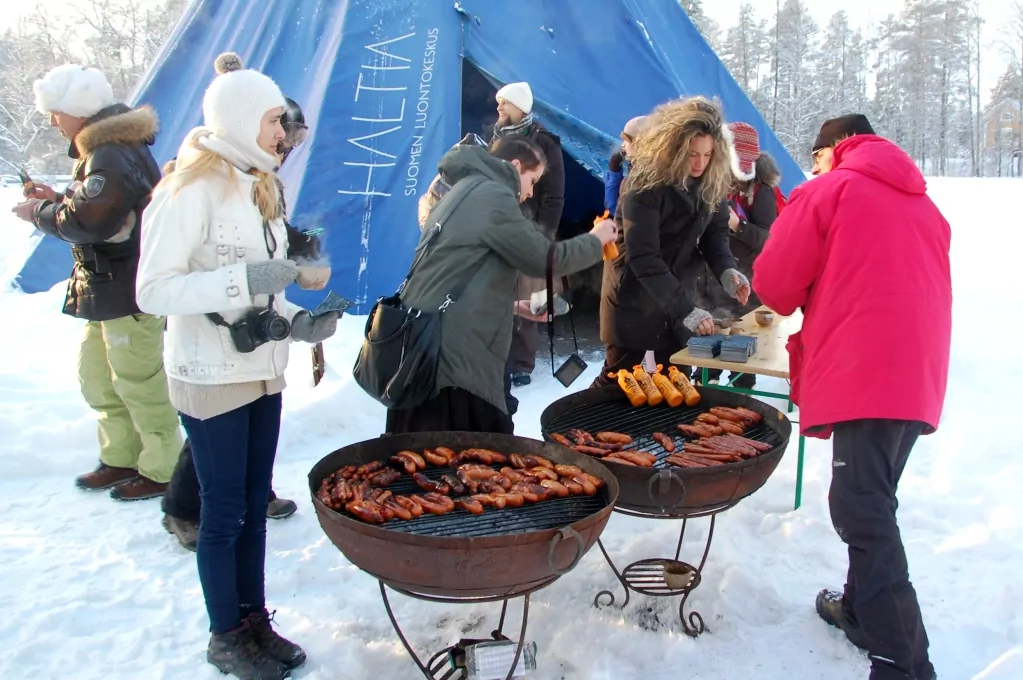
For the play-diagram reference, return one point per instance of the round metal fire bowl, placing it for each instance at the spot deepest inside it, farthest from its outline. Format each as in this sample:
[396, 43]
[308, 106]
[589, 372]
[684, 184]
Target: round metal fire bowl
[450, 568]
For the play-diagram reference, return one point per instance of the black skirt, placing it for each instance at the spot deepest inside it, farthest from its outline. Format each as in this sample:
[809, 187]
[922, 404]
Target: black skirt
[453, 410]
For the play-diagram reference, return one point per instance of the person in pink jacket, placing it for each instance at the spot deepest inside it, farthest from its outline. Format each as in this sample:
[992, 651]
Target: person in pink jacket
[864, 253]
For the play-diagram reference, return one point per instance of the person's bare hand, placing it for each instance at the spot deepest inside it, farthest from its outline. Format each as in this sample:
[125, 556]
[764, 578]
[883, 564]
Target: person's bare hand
[26, 210]
[706, 327]
[521, 308]
[606, 231]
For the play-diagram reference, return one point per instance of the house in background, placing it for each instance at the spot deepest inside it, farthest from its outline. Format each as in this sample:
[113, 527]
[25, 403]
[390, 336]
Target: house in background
[1003, 137]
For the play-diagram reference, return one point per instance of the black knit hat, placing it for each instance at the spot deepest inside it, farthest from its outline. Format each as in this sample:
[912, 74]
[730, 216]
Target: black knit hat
[839, 128]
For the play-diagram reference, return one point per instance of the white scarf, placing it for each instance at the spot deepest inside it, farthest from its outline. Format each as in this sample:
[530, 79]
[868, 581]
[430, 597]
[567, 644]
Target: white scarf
[243, 159]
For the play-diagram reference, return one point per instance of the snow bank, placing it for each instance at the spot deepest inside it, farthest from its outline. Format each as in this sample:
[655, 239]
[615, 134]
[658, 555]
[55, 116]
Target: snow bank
[98, 587]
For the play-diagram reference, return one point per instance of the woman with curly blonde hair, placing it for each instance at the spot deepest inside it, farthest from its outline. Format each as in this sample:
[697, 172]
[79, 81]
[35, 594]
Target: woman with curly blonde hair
[673, 218]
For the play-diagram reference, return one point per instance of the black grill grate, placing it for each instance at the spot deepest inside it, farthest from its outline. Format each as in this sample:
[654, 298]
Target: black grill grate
[641, 422]
[549, 514]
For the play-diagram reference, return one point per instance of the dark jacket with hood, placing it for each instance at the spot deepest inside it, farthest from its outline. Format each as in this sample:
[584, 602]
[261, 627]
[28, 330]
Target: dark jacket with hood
[100, 214]
[486, 238]
[758, 202]
[666, 238]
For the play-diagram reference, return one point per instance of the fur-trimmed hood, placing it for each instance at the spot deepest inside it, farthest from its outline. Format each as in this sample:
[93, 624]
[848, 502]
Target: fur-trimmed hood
[767, 170]
[117, 124]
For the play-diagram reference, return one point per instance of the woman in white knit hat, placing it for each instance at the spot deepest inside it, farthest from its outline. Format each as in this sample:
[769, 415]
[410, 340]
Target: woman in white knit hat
[213, 262]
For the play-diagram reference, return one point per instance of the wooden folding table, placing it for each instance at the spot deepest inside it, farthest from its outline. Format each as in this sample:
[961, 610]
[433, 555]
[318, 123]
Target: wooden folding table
[771, 359]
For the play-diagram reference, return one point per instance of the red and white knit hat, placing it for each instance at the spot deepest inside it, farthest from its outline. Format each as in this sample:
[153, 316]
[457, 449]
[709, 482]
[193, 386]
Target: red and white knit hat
[745, 147]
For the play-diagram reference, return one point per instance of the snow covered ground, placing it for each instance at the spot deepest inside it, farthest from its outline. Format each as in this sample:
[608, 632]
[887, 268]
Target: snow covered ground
[91, 588]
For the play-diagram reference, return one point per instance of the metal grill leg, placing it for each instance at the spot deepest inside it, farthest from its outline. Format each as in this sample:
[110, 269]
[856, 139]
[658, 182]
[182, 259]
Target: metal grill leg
[610, 595]
[401, 636]
[693, 625]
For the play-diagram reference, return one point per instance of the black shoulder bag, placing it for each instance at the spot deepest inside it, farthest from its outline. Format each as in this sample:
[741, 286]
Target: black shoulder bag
[397, 364]
[574, 366]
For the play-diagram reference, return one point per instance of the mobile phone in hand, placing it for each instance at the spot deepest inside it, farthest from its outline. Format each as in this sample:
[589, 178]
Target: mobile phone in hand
[26, 181]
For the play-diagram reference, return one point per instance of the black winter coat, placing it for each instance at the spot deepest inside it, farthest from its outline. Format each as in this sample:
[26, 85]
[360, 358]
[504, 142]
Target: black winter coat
[746, 242]
[100, 214]
[548, 200]
[665, 241]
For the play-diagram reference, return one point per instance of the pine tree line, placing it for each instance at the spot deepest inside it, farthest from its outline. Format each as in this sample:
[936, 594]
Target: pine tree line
[917, 75]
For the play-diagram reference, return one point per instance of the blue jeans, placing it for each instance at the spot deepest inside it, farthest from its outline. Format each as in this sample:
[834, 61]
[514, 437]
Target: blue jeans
[234, 458]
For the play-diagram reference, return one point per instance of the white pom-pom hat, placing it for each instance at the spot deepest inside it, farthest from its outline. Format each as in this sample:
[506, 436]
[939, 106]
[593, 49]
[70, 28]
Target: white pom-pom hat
[74, 90]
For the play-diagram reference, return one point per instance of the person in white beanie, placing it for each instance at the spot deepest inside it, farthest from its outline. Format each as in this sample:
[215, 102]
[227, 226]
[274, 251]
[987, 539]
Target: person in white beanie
[214, 261]
[120, 367]
[515, 118]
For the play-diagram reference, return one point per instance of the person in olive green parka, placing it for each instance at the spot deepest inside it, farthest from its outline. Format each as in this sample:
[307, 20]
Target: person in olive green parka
[486, 237]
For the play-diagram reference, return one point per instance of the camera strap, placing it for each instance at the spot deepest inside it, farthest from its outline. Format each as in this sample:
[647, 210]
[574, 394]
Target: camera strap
[551, 254]
[271, 246]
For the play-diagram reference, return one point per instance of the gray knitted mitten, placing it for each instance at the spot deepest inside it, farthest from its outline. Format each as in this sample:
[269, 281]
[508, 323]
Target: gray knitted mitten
[270, 277]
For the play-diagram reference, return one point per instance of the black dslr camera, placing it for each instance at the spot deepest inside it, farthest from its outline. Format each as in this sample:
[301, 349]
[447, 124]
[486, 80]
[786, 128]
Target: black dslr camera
[255, 329]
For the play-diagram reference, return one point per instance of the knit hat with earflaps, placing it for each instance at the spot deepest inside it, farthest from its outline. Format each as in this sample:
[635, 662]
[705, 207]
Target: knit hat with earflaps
[74, 90]
[233, 108]
[744, 146]
[520, 95]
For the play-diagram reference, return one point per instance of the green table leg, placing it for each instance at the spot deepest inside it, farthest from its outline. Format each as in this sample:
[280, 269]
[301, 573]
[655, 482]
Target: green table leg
[799, 473]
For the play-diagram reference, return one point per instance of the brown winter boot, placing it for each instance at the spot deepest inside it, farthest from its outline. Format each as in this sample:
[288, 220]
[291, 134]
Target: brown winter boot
[138, 489]
[186, 532]
[104, 477]
[237, 653]
[279, 648]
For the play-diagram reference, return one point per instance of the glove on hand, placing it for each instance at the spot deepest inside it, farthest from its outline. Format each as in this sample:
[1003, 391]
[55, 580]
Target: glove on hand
[270, 277]
[614, 164]
[729, 283]
[312, 329]
[695, 318]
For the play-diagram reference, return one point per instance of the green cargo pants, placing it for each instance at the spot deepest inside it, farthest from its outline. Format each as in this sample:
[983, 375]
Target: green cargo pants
[120, 368]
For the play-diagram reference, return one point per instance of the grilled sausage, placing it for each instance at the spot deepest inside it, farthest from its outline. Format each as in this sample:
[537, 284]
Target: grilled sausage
[397, 510]
[366, 511]
[512, 474]
[730, 427]
[695, 430]
[557, 487]
[430, 506]
[528, 492]
[752, 415]
[708, 418]
[457, 487]
[404, 463]
[496, 501]
[434, 458]
[534, 461]
[687, 462]
[614, 438]
[595, 480]
[427, 484]
[664, 440]
[761, 447]
[368, 469]
[543, 473]
[517, 461]
[573, 488]
[588, 487]
[444, 451]
[513, 499]
[614, 458]
[591, 451]
[347, 472]
[567, 470]
[562, 439]
[725, 413]
[385, 477]
[469, 505]
[406, 502]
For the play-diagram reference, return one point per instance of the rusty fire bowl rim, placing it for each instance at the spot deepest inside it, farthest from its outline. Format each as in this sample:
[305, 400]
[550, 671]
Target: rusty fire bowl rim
[459, 440]
[607, 393]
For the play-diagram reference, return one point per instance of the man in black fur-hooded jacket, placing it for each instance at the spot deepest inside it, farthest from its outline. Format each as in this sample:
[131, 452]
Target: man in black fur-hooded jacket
[515, 117]
[100, 214]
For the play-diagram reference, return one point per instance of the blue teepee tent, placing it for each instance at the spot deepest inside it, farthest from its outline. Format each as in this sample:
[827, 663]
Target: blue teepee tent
[387, 86]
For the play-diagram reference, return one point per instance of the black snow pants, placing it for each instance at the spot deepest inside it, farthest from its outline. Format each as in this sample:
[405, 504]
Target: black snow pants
[869, 457]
